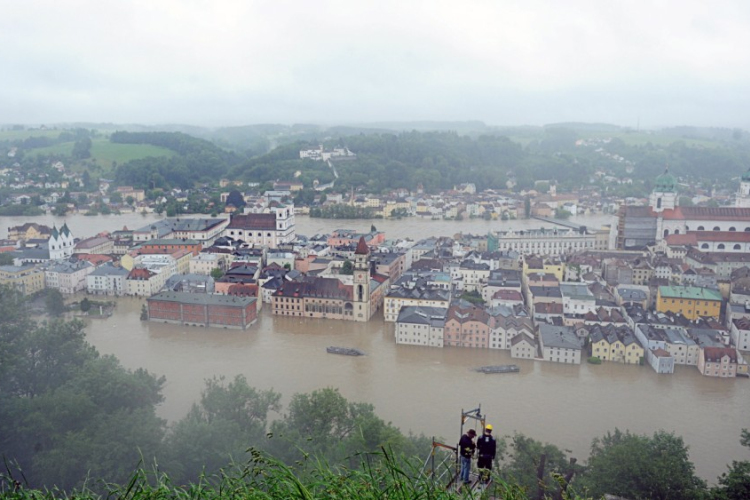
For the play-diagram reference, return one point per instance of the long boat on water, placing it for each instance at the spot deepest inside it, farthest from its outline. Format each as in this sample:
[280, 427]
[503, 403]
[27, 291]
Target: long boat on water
[348, 351]
[498, 369]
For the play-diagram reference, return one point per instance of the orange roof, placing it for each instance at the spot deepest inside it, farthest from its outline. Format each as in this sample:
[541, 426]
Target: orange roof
[94, 258]
[708, 213]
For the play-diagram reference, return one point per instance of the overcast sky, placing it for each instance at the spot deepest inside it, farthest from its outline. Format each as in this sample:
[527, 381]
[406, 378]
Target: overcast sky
[506, 63]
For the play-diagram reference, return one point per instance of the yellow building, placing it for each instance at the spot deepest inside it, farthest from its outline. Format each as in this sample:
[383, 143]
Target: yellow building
[539, 265]
[392, 206]
[618, 344]
[600, 347]
[27, 279]
[692, 302]
[634, 352]
[29, 231]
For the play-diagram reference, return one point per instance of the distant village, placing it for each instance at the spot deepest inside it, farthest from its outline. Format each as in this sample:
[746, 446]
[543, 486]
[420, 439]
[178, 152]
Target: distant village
[667, 285]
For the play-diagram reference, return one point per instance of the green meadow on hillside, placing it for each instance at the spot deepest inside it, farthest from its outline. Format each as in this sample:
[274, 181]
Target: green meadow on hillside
[106, 153]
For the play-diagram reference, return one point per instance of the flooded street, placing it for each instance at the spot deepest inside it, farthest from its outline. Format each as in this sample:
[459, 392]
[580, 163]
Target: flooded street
[410, 227]
[424, 389]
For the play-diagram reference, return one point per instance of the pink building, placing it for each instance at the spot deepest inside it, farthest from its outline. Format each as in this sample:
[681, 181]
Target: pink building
[718, 362]
[342, 237]
[467, 326]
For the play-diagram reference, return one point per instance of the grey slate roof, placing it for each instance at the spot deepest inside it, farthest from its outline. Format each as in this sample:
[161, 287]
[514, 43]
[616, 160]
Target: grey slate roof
[203, 299]
[563, 337]
[433, 316]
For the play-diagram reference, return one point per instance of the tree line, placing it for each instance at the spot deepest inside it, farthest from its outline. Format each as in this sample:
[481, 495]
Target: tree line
[197, 160]
[433, 160]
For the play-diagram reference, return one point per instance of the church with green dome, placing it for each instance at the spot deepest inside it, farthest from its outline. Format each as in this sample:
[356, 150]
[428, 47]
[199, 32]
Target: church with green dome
[717, 229]
[664, 195]
[743, 196]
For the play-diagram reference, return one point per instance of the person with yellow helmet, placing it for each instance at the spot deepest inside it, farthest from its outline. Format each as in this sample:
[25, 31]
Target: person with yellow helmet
[486, 448]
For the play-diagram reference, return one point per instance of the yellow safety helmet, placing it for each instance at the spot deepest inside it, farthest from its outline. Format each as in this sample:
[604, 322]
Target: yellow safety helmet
[488, 427]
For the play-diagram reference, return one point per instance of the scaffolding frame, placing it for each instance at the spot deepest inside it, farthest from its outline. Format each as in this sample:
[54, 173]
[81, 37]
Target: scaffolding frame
[448, 464]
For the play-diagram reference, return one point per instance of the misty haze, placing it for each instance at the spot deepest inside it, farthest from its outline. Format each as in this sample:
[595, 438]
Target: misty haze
[370, 250]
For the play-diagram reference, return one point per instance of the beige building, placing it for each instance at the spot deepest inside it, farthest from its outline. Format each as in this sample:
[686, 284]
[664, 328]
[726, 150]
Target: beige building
[68, 277]
[204, 263]
[421, 326]
[560, 344]
[523, 346]
[27, 279]
[29, 231]
[414, 297]
[96, 245]
[142, 282]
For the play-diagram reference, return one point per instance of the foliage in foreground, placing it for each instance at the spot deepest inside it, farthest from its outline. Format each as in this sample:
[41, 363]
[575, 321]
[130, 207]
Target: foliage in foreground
[378, 476]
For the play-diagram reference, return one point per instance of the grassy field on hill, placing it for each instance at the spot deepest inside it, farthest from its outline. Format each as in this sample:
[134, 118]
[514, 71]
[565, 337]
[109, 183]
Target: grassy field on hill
[105, 152]
[15, 135]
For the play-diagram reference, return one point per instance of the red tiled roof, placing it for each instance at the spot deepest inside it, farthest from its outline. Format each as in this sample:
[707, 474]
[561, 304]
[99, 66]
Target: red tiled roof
[94, 258]
[362, 248]
[682, 239]
[728, 236]
[139, 273]
[464, 315]
[508, 295]
[254, 222]
[742, 323]
[243, 290]
[714, 354]
[708, 213]
[548, 308]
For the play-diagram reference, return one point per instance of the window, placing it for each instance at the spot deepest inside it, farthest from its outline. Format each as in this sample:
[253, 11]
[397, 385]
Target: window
[704, 246]
[716, 228]
[720, 246]
[701, 228]
[736, 247]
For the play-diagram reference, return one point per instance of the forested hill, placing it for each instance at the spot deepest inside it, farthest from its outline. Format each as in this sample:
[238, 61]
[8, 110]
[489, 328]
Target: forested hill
[440, 160]
[197, 160]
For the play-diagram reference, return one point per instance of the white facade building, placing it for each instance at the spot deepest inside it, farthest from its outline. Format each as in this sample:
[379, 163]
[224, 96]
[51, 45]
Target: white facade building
[560, 344]
[106, 279]
[60, 243]
[421, 326]
[68, 277]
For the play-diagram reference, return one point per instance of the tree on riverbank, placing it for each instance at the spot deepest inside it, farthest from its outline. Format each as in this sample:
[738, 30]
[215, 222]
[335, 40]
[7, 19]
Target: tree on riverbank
[54, 302]
[642, 467]
[68, 412]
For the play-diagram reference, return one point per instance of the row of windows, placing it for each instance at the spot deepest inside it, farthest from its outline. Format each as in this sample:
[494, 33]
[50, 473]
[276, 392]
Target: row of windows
[697, 302]
[250, 234]
[717, 228]
[721, 246]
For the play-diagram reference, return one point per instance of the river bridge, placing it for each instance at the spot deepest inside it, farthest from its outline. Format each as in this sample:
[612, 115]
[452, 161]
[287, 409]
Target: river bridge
[561, 222]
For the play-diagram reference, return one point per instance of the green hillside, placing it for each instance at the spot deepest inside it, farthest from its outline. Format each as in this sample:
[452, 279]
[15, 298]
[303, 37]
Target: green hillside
[105, 153]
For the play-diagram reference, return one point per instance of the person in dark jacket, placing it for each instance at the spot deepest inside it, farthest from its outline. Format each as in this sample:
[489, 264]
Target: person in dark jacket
[466, 449]
[486, 447]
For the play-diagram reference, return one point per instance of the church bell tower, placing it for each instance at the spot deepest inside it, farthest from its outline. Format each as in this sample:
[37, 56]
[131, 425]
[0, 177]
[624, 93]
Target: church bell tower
[362, 281]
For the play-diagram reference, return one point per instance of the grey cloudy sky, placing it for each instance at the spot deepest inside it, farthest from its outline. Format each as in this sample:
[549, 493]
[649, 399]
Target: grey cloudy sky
[507, 63]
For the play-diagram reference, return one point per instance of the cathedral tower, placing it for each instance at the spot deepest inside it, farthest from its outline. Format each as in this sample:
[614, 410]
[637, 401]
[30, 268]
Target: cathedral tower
[362, 281]
[664, 195]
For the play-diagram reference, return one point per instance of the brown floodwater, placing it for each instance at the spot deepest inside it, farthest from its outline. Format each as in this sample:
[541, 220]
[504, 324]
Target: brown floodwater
[411, 227]
[423, 389]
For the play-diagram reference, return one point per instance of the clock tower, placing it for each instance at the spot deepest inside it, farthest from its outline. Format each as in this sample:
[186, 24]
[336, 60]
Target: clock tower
[361, 281]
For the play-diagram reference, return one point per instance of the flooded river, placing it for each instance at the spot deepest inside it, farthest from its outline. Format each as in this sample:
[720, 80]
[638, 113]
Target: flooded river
[412, 227]
[424, 389]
